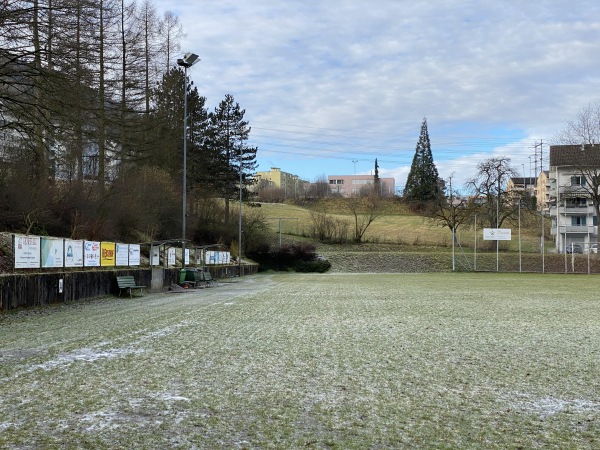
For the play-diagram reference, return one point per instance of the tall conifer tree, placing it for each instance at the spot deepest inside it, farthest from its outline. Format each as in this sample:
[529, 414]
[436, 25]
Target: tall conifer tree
[422, 184]
[376, 180]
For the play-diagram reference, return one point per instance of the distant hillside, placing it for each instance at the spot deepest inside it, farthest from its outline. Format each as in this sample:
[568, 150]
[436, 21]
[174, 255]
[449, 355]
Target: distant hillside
[395, 225]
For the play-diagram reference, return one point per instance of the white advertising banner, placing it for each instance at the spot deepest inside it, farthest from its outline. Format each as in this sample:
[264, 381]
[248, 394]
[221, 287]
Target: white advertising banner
[155, 256]
[496, 234]
[121, 254]
[134, 254]
[187, 257]
[217, 257]
[27, 252]
[171, 256]
[73, 253]
[53, 255]
[91, 252]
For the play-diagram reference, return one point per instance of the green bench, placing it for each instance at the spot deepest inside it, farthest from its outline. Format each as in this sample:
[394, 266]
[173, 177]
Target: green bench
[127, 283]
[194, 278]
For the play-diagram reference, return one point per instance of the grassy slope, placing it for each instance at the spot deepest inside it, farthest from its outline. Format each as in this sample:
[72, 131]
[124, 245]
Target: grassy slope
[395, 225]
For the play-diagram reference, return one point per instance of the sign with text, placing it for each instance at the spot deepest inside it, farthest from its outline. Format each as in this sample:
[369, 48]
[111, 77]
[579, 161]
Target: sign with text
[155, 255]
[496, 234]
[91, 253]
[107, 254]
[122, 254]
[171, 257]
[73, 253]
[217, 257]
[134, 254]
[27, 252]
[53, 252]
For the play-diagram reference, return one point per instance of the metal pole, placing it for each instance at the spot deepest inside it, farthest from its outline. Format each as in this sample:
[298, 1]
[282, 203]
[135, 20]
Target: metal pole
[542, 210]
[475, 246]
[184, 166]
[520, 259]
[453, 224]
[497, 226]
[240, 221]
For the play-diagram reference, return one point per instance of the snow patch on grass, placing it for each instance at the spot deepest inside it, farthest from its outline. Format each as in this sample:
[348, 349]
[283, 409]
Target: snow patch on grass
[549, 406]
[82, 354]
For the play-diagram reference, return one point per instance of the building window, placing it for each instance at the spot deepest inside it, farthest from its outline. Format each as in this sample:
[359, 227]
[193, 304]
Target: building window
[577, 202]
[578, 221]
[578, 180]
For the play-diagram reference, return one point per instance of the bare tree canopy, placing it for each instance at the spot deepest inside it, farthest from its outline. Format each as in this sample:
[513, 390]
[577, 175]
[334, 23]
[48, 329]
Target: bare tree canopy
[489, 189]
[583, 129]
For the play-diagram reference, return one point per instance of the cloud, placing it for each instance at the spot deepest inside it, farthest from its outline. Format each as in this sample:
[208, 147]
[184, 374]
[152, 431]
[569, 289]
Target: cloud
[357, 77]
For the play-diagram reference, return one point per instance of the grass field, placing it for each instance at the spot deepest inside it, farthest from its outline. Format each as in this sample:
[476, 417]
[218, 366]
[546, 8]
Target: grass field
[311, 361]
[397, 225]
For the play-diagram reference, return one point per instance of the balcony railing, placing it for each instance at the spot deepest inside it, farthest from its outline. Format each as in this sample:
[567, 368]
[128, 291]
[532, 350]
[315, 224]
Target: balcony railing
[576, 229]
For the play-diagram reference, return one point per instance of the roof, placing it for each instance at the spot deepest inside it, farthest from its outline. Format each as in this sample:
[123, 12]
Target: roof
[587, 155]
[526, 180]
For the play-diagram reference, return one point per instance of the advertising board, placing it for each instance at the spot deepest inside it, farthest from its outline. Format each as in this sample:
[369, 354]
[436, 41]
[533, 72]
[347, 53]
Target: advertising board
[91, 253]
[27, 252]
[53, 252]
[73, 253]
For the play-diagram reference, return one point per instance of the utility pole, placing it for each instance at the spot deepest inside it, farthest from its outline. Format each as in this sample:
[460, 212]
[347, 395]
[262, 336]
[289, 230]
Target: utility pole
[453, 221]
[543, 204]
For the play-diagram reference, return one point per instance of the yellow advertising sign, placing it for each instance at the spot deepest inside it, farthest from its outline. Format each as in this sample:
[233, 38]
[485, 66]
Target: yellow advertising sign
[107, 253]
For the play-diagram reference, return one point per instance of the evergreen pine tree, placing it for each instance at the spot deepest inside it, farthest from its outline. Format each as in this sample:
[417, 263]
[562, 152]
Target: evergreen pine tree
[422, 184]
[376, 180]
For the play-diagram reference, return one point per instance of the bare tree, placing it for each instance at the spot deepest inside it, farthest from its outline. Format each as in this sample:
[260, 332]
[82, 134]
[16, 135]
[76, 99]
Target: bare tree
[451, 210]
[364, 209]
[171, 33]
[319, 189]
[584, 129]
[491, 198]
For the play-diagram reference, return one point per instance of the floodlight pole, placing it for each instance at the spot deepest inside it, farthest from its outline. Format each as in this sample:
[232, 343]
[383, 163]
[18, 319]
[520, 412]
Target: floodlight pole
[188, 60]
[240, 220]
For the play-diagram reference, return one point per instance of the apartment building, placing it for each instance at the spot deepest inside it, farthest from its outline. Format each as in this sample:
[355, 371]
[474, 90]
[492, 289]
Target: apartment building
[542, 194]
[574, 221]
[290, 184]
[351, 185]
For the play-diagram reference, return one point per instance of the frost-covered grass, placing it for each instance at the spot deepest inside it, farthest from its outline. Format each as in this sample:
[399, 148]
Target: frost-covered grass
[294, 361]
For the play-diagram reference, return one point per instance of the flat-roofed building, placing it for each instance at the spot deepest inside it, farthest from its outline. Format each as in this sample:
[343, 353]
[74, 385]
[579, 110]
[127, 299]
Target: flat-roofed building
[290, 184]
[352, 185]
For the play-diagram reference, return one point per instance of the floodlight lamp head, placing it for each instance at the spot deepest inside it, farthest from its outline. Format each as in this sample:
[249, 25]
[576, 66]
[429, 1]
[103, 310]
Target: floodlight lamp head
[188, 60]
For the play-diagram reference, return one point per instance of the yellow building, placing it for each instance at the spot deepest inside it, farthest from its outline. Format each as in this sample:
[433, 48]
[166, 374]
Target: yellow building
[290, 184]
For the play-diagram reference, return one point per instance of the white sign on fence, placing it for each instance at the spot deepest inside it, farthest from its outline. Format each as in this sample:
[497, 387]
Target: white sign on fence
[496, 234]
[73, 253]
[217, 257]
[171, 257]
[53, 252]
[92, 254]
[27, 252]
[134, 254]
[122, 254]
[155, 256]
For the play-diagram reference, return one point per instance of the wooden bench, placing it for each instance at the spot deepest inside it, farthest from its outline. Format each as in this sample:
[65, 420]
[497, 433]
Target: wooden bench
[207, 277]
[127, 283]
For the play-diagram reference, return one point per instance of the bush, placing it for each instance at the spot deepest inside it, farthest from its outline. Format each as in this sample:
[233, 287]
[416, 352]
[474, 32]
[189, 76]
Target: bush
[295, 257]
[320, 266]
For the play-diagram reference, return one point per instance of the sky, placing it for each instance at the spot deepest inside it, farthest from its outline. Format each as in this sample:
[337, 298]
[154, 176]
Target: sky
[328, 86]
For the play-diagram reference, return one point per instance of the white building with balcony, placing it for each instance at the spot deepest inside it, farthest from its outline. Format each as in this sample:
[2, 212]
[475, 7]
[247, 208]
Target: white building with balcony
[571, 207]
